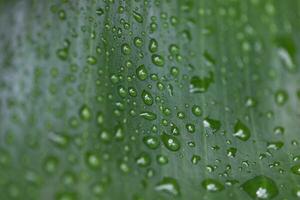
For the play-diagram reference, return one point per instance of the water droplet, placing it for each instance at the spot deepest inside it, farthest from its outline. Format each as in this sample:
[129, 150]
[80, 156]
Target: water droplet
[241, 131]
[143, 159]
[50, 164]
[92, 160]
[148, 115]
[168, 185]
[153, 45]
[62, 53]
[281, 97]
[278, 130]
[138, 42]
[85, 113]
[173, 49]
[99, 11]
[151, 142]
[147, 98]
[213, 124]
[190, 128]
[170, 142]
[286, 50]
[231, 152]
[196, 110]
[296, 169]
[195, 159]
[162, 160]
[91, 60]
[158, 60]
[212, 185]
[276, 145]
[142, 72]
[260, 187]
[138, 17]
[126, 50]
[200, 85]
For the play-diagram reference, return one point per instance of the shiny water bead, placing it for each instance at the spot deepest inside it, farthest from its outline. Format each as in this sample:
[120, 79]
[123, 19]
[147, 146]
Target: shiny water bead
[261, 187]
[91, 60]
[92, 160]
[126, 49]
[173, 49]
[275, 145]
[99, 11]
[213, 124]
[168, 185]
[158, 60]
[138, 17]
[85, 113]
[241, 131]
[147, 98]
[200, 85]
[153, 45]
[143, 159]
[148, 115]
[281, 97]
[195, 159]
[170, 142]
[138, 42]
[196, 110]
[142, 72]
[212, 185]
[151, 142]
[296, 169]
[162, 160]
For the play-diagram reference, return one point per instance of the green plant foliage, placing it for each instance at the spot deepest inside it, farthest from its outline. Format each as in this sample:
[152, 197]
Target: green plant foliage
[149, 99]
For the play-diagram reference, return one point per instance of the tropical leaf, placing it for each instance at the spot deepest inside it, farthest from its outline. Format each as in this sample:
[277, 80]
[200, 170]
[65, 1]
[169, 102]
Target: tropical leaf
[149, 99]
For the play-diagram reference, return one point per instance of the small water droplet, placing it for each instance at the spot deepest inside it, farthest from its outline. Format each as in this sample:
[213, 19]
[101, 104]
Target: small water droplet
[212, 185]
[151, 142]
[158, 60]
[148, 115]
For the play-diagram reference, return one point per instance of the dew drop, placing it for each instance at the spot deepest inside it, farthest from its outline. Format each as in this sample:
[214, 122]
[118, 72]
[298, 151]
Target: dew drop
[260, 187]
[241, 131]
[170, 142]
[200, 85]
[212, 185]
[148, 115]
[168, 185]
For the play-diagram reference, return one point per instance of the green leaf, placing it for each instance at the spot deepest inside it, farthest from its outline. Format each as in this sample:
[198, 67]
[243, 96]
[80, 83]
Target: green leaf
[149, 99]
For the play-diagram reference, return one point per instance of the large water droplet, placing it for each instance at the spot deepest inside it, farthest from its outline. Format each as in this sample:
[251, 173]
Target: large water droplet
[142, 72]
[213, 124]
[260, 187]
[147, 98]
[241, 131]
[200, 85]
[170, 142]
[168, 185]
